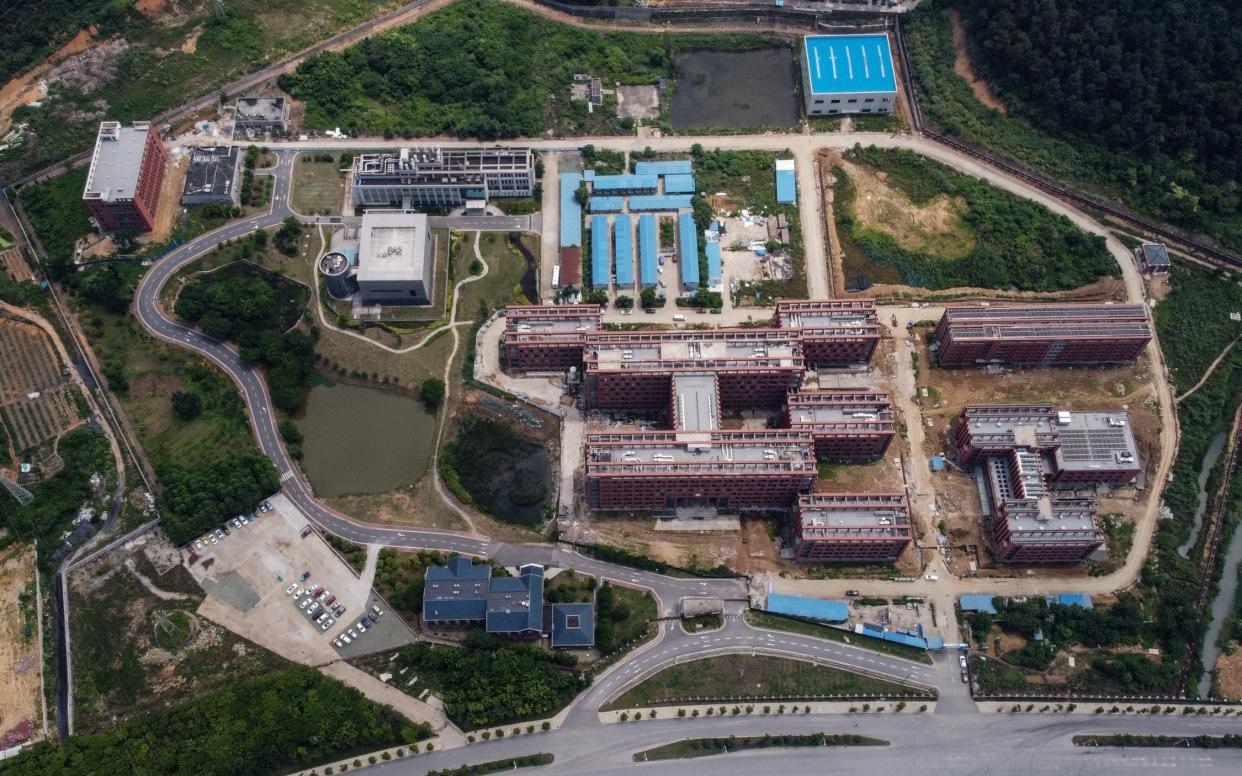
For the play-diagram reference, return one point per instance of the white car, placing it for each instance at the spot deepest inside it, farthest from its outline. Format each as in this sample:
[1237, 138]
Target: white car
[198, 545]
[336, 643]
[214, 540]
[962, 659]
[326, 624]
[312, 608]
[362, 627]
[345, 638]
[322, 616]
[378, 612]
[289, 590]
[299, 592]
[352, 635]
[305, 603]
[324, 595]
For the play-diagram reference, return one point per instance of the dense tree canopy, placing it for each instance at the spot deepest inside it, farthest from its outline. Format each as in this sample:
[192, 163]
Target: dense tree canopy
[1157, 80]
[268, 724]
[197, 499]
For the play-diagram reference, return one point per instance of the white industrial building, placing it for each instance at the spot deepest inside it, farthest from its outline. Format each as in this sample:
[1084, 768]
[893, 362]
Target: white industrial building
[848, 74]
[396, 259]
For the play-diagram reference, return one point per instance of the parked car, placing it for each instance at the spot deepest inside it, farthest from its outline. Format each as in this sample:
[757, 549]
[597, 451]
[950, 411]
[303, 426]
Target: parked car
[962, 659]
[338, 610]
[322, 616]
[362, 625]
[213, 540]
[345, 638]
[378, 612]
[851, 593]
[965, 678]
[235, 522]
[250, 517]
[330, 601]
[289, 590]
[198, 545]
[305, 603]
[305, 532]
[326, 624]
[310, 610]
[267, 505]
[336, 643]
[305, 576]
[324, 593]
[352, 634]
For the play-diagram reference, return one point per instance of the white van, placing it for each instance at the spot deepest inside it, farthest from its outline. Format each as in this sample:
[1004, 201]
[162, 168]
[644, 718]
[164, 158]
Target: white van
[679, 317]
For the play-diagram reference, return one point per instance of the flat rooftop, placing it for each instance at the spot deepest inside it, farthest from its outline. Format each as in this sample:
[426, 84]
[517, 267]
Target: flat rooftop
[1054, 312]
[552, 319]
[261, 108]
[116, 162]
[783, 353]
[1084, 441]
[849, 64]
[827, 314]
[643, 450]
[211, 171]
[861, 510]
[840, 408]
[392, 247]
[696, 402]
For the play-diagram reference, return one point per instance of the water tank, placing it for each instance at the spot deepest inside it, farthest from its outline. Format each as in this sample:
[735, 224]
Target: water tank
[338, 275]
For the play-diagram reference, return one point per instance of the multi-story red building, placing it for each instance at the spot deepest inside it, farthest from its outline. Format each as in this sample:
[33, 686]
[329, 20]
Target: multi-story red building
[127, 169]
[634, 369]
[665, 470]
[548, 337]
[846, 425]
[1042, 335]
[834, 331]
[852, 527]
[1025, 451]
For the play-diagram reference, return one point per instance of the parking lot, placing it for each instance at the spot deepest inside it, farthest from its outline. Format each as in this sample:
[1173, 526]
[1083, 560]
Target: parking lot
[252, 577]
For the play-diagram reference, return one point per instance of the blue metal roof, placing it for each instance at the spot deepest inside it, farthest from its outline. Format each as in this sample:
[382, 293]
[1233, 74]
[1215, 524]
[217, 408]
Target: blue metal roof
[786, 186]
[648, 250]
[678, 184]
[571, 211]
[976, 602]
[573, 625]
[624, 233]
[713, 264]
[667, 167]
[624, 183]
[515, 604]
[659, 202]
[606, 204]
[600, 273]
[808, 608]
[844, 64]
[688, 250]
[456, 592]
[1081, 600]
[894, 636]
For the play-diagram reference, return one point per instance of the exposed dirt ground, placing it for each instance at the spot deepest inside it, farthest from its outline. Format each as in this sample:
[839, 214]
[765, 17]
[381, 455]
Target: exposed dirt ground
[961, 66]
[935, 228]
[14, 266]
[1229, 674]
[20, 663]
[169, 207]
[26, 88]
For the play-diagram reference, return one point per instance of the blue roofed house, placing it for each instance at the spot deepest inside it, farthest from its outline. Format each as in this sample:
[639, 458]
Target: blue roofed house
[715, 275]
[808, 608]
[786, 182]
[665, 167]
[601, 249]
[648, 251]
[848, 74]
[1081, 600]
[623, 231]
[455, 595]
[515, 604]
[977, 602]
[570, 625]
[688, 251]
[679, 184]
[652, 202]
[624, 184]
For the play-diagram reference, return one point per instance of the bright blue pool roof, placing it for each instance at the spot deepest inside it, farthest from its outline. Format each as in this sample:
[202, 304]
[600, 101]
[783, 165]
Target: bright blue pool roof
[843, 64]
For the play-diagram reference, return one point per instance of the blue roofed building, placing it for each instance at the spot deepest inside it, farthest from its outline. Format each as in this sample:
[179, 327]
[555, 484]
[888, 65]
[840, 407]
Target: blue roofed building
[665, 167]
[571, 625]
[515, 604]
[819, 609]
[714, 275]
[678, 184]
[848, 74]
[625, 184]
[601, 275]
[1081, 600]
[977, 602]
[654, 202]
[786, 182]
[624, 253]
[455, 595]
[648, 251]
[571, 211]
[606, 204]
[688, 251]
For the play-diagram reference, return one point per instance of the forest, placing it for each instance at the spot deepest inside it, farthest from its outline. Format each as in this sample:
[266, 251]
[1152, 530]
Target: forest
[269, 724]
[1018, 243]
[202, 497]
[484, 69]
[1134, 99]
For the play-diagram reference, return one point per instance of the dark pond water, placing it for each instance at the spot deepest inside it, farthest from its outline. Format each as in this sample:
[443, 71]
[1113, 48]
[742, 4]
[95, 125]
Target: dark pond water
[735, 89]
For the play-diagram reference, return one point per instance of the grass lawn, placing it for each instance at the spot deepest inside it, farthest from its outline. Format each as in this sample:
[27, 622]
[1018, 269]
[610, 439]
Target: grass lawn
[761, 619]
[502, 285]
[705, 747]
[747, 677]
[624, 618]
[318, 187]
[569, 587]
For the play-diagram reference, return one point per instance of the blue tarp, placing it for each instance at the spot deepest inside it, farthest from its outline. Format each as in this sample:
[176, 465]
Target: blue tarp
[600, 276]
[659, 202]
[786, 187]
[667, 167]
[976, 602]
[808, 608]
[713, 264]
[571, 211]
[1081, 600]
[648, 250]
[625, 251]
[606, 204]
[624, 184]
[679, 184]
[688, 251]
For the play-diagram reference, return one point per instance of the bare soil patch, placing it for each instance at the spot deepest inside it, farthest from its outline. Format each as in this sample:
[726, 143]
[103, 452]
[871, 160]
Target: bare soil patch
[1229, 674]
[936, 227]
[961, 65]
[27, 88]
[20, 661]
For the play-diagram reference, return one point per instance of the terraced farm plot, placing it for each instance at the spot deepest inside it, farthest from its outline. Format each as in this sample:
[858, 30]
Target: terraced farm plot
[32, 369]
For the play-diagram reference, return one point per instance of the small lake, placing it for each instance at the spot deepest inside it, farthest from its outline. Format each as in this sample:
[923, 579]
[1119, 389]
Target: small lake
[735, 89]
[362, 440]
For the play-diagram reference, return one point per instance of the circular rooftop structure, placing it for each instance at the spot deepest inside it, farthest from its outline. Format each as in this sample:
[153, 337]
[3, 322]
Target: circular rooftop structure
[338, 272]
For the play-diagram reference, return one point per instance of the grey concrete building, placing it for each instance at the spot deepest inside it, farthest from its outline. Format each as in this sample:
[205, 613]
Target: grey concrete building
[260, 114]
[211, 176]
[396, 259]
[442, 177]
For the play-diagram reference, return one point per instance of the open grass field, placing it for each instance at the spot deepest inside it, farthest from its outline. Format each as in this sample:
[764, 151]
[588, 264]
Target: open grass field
[318, 186]
[506, 266]
[755, 678]
[137, 643]
[21, 665]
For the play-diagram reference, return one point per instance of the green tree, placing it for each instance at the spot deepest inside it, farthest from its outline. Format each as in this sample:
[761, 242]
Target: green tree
[187, 405]
[432, 393]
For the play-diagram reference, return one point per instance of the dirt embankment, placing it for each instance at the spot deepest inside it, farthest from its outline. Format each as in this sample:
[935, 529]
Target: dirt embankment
[20, 662]
[28, 87]
[961, 66]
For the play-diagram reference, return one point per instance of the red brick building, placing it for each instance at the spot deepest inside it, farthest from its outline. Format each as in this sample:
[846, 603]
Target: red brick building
[846, 425]
[852, 527]
[665, 470]
[548, 337]
[834, 331]
[633, 370]
[1042, 335]
[127, 170]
